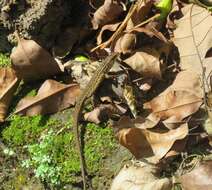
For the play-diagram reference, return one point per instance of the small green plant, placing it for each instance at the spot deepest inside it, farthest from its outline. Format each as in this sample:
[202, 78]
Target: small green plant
[4, 60]
[42, 161]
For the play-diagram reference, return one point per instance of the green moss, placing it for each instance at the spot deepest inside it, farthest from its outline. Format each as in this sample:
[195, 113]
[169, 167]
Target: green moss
[4, 60]
[99, 143]
[53, 156]
[24, 130]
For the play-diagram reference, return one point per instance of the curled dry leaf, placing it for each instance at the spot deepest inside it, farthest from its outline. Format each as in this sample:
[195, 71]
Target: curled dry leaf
[31, 61]
[8, 84]
[109, 27]
[101, 113]
[200, 178]
[127, 41]
[108, 12]
[147, 62]
[180, 100]
[193, 37]
[144, 143]
[141, 176]
[51, 97]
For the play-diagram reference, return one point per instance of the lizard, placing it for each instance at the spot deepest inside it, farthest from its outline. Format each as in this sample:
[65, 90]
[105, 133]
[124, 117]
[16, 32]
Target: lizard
[91, 87]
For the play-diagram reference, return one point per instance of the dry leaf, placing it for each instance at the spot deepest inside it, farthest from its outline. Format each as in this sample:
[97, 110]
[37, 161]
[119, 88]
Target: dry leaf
[177, 148]
[101, 113]
[51, 97]
[107, 13]
[146, 143]
[8, 84]
[140, 177]
[180, 100]
[193, 36]
[147, 62]
[127, 41]
[109, 27]
[200, 178]
[31, 61]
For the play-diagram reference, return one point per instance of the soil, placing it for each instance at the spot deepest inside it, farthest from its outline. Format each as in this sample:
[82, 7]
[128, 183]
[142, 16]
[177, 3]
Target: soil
[40, 20]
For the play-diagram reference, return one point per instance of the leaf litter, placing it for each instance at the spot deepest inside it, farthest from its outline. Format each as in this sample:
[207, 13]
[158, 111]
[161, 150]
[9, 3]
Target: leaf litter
[166, 71]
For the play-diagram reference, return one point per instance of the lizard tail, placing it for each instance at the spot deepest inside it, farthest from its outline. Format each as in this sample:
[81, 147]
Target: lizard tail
[82, 160]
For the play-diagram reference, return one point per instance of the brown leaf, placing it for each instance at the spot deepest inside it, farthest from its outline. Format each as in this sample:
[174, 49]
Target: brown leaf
[8, 84]
[193, 37]
[107, 13]
[127, 41]
[146, 143]
[149, 30]
[177, 148]
[137, 177]
[51, 97]
[198, 179]
[109, 27]
[147, 62]
[101, 113]
[180, 100]
[31, 61]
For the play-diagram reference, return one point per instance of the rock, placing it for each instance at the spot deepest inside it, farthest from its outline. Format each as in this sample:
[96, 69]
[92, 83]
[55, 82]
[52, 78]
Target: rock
[40, 20]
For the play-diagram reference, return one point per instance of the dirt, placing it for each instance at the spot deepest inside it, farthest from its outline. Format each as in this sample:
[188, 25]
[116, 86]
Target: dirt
[112, 163]
[41, 20]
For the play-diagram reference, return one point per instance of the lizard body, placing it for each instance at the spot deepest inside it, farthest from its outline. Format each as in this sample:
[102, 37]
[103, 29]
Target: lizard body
[91, 87]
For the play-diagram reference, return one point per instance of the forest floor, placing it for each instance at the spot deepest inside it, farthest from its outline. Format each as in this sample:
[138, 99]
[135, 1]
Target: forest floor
[147, 126]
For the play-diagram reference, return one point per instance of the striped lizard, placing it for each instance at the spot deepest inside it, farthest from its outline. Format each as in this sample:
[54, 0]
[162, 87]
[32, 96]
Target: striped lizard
[91, 87]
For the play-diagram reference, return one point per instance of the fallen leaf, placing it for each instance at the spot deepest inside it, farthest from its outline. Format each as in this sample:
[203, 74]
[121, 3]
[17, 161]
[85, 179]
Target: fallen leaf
[200, 178]
[109, 27]
[144, 143]
[51, 97]
[127, 41]
[177, 148]
[140, 176]
[102, 113]
[193, 37]
[8, 84]
[180, 100]
[107, 13]
[146, 61]
[31, 61]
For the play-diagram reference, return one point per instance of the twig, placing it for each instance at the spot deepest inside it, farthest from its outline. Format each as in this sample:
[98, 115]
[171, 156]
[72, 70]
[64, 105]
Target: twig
[143, 23]
[121, 27]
